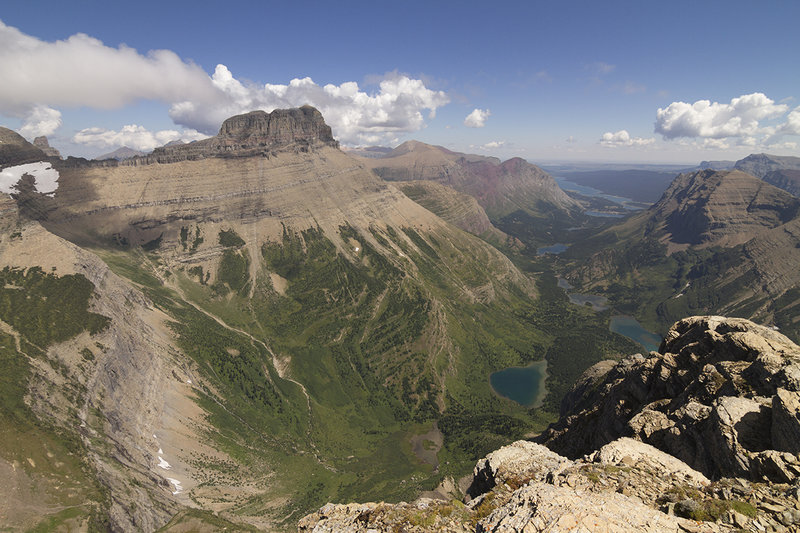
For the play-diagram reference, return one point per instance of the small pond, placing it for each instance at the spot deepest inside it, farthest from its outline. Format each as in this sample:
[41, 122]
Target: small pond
[597, 303]
[524, 385]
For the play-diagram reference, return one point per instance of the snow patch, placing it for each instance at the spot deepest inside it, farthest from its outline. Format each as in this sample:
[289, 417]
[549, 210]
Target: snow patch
[163, 464]
[357, 248]
[176, 484]
[44, 175]
[160, 451]
[189, 381]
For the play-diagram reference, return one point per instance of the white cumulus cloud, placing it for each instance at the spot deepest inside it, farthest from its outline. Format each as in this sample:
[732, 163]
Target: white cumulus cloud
[477, 119]
[133, 136]
[41, 120]
[356, 116]
[792, 124]
[623, 138]
[492, 145]
[739, 118]
[81, 71]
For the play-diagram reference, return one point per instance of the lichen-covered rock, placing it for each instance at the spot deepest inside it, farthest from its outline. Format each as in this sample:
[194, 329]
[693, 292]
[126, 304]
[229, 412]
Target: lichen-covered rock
[539, 507]
[521, 460]
[629, 451]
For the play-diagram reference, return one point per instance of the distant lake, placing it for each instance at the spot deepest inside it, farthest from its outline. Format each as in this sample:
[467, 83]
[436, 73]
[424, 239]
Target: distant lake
[554, 249]
[585, 190]
[601, 214]
[597, 303]
[524, 385]
[629, 327]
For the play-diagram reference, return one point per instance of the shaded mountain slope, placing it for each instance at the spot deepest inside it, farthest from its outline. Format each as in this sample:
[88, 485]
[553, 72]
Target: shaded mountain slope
[718, 208]
[456, 208]
[721, 242]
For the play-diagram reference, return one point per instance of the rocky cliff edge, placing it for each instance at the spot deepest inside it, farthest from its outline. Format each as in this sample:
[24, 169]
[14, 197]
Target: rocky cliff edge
[703, 435]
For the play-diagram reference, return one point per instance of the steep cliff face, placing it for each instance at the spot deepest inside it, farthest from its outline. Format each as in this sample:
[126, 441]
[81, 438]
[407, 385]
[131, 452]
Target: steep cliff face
[255, 133]
[117, 397]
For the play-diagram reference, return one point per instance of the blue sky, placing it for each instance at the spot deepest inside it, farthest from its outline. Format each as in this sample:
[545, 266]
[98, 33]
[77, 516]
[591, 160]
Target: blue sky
[549, 81]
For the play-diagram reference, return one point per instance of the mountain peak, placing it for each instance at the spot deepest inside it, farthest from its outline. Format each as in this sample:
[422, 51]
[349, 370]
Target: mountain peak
[42, 143]
[759, 165]
[15, 150]
[257, 133]
[722, 207]
[281, 126]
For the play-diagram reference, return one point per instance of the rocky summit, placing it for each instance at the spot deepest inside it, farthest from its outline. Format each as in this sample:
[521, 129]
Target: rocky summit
[256, 133]
[701, 436]
[721, 395]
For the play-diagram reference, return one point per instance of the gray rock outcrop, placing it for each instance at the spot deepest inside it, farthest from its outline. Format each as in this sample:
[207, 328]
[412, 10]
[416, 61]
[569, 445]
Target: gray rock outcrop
[43, 144]
[721, 396]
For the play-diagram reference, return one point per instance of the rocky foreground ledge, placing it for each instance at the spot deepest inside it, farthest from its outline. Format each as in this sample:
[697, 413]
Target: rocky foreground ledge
[701, 437]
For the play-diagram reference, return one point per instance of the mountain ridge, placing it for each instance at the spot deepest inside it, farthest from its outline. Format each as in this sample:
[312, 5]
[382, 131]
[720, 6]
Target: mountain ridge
[501, 187]
[298, 313]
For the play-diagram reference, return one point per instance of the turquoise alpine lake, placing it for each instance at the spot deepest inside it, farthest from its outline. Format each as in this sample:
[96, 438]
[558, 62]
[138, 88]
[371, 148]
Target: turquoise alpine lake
[524, 385]
[629, 327]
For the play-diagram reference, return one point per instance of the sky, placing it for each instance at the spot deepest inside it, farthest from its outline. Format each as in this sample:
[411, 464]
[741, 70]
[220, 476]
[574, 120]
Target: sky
[633, 81]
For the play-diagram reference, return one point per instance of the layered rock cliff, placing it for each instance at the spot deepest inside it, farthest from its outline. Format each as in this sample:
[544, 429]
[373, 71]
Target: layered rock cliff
[718, 208]
[255, 133]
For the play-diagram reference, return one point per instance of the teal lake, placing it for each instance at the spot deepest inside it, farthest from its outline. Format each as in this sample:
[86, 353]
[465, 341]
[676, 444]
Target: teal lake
[629, 327]
[524, 385]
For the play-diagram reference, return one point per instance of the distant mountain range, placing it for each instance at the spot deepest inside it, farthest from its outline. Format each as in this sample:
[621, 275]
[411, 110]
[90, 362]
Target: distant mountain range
[500, 187]
[723, 242]
[121, 154]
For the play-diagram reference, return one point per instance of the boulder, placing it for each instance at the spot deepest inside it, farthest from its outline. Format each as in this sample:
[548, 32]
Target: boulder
[521, 460]
[786, 421]
[539, 507]
[627, 451]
